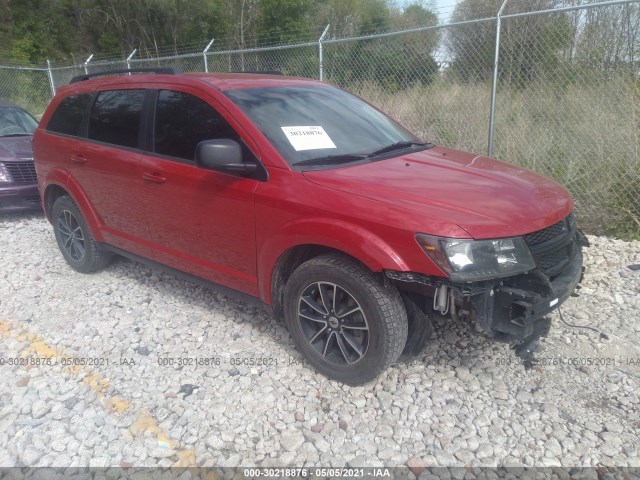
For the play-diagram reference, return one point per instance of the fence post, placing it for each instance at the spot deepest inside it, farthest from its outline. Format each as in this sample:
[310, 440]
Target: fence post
[87, 63]
[204, 55]
[320, 50]
[494, 84]
[51, 84]
[129, 58]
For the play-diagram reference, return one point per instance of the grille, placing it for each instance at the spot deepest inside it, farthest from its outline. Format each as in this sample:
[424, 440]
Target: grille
[548, 233]
[556, 258]
[553, 247]
[22, 172]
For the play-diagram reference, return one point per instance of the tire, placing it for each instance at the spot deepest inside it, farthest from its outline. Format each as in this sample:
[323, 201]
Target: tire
[358, 336]
[420, 327]
[74, 239]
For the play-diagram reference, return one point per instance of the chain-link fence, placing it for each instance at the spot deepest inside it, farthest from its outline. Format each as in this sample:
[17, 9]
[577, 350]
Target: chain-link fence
[25, 86]
[556, 91]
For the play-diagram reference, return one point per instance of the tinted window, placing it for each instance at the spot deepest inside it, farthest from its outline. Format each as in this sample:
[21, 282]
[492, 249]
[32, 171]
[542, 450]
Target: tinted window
[182, 121]
[115, 117]
[68, 116]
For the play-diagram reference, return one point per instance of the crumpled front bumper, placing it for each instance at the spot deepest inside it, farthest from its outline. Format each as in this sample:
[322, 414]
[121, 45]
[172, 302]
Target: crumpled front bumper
[509, 310]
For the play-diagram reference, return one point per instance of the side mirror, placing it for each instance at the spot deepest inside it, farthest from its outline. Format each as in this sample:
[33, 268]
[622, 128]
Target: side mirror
[223, 155]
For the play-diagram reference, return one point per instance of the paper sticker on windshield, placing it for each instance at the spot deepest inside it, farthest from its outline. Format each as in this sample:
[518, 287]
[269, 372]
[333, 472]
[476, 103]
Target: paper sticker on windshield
[308, 138]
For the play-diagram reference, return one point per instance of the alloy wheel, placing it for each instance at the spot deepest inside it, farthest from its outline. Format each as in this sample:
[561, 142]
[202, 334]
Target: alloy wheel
[71, 234]
[334, 323]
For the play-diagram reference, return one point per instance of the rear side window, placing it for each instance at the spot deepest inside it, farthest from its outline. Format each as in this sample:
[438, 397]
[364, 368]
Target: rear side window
[68, 117]
[182, 121]
[115, 117]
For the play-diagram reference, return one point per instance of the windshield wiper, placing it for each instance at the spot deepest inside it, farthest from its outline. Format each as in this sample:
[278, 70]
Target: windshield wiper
[329, 159]
[353, 157]
[17, 135]
[397, 146]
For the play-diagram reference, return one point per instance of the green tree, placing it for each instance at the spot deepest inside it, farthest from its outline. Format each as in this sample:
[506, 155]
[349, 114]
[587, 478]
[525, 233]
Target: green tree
[31, 30]
[399, 61]
[282, 21]
[375, 17]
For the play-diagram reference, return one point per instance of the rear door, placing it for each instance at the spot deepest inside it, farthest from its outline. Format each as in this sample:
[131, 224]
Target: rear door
[96, 138]
[107, 166]
[200, 221]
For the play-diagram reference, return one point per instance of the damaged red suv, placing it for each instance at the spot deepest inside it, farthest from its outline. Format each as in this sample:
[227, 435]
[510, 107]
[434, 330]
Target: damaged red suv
[306, 198]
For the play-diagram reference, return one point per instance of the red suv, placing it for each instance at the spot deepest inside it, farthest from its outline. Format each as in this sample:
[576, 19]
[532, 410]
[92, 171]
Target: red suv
[302, 196]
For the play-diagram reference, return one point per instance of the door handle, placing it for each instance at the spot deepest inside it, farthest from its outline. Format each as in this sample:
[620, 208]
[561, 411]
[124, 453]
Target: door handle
[79, 159]
[153, 177]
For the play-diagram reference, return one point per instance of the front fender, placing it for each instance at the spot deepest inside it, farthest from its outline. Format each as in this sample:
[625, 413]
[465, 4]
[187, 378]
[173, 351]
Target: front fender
[346, 237]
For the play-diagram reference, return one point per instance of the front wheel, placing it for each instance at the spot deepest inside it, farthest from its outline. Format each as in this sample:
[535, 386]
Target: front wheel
[346, 322]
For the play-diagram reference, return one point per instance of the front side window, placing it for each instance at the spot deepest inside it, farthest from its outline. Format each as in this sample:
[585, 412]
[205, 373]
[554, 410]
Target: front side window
[115, 117]
[67, 119]
[15, 122]
[309, 123]
[182, 121]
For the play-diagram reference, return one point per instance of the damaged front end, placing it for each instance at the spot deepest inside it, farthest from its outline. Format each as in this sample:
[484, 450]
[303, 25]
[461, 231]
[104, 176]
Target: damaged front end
[509, 308]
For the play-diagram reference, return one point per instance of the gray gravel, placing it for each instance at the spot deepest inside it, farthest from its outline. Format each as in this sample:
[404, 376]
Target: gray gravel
[467, 401]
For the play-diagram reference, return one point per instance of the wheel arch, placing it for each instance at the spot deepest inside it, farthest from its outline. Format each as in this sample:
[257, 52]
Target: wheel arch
[56, 189]
[280, 257]
[288, 262]
[51, 194]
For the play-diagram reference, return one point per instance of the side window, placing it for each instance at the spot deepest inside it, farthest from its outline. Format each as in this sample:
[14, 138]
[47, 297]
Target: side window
[68, 117]
[115, 117]
[182, 121]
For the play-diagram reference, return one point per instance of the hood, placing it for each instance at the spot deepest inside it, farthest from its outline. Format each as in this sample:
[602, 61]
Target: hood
[485, 197]
[15, 148]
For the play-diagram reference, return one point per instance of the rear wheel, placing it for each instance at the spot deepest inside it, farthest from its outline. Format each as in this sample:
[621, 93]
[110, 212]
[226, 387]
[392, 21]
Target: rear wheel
[74, 239]
[347, 323]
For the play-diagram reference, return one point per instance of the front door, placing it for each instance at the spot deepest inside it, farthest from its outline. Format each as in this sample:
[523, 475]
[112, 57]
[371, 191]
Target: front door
[200, 221]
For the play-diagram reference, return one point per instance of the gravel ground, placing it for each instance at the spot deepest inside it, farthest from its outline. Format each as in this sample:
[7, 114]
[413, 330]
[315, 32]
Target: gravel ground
[467, 401]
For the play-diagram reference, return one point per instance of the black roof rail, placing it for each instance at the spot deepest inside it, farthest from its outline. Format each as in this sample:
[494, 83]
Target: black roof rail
[87, 76]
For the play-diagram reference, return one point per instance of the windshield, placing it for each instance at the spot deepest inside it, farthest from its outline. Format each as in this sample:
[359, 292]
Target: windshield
[16, 122]
[320, 123]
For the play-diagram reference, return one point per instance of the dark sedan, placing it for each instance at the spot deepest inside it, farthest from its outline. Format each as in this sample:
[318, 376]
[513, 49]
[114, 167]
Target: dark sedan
[18, 183]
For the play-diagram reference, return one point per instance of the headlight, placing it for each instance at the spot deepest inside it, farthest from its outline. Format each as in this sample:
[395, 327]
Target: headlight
[4, 175]
[472, 260]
